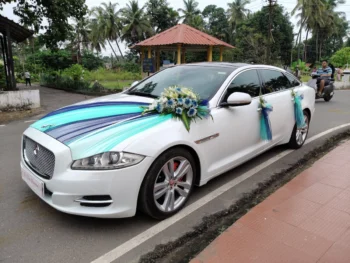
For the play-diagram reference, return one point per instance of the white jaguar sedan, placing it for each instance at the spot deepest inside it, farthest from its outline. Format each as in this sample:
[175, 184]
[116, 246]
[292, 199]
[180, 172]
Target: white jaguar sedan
[104, 158]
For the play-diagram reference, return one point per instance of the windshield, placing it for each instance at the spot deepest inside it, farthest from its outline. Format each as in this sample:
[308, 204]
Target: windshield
[203, 80]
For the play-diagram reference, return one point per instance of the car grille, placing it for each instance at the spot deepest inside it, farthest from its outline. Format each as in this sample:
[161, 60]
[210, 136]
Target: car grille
[38, 158]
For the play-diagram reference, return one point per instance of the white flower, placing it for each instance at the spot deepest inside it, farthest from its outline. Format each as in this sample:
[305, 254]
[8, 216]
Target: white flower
[187, 102]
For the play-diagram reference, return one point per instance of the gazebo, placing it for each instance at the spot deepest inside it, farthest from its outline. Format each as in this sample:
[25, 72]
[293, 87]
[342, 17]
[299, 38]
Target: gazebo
[10, 31]
[180, 38]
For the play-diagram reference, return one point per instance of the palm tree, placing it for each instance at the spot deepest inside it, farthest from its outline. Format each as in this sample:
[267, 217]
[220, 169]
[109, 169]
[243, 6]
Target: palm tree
[237, 12]
[136, 25]
[197, 22]
[80, 37]
[108, 18]
[189, 11]
[97, 38]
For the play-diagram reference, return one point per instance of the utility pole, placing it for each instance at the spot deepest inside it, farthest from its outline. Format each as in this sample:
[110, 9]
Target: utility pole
[272, 3]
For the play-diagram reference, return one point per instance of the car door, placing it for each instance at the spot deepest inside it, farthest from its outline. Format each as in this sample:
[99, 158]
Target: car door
[277, 92]
[238, 128]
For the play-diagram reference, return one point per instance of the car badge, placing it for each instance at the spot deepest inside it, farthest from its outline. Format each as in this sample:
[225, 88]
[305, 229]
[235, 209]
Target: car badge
[36, 150]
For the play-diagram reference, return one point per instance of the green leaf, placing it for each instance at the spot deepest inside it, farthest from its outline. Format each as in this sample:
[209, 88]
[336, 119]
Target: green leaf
[186, 120]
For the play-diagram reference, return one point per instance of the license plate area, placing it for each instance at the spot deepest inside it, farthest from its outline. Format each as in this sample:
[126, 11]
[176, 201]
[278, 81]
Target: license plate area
[34, 183]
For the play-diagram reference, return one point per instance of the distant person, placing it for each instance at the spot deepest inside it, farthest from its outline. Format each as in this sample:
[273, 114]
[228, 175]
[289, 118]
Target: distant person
[324, 74]
[339, 73]
[314, 70]
[297, 72]
[27, 77]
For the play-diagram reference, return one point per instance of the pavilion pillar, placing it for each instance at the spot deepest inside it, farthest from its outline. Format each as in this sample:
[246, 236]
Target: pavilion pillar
[142, 58]
[158, 59]
[10, 66]
[149, 52]
[178, 54]
[210, 53]
[221, 50]
[183, 57]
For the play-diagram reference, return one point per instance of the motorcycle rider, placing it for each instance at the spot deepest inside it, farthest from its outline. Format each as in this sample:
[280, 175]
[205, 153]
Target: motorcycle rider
[324, 74]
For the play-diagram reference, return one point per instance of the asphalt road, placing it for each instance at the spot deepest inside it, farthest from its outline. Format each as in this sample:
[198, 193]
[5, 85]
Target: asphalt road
[31, 231]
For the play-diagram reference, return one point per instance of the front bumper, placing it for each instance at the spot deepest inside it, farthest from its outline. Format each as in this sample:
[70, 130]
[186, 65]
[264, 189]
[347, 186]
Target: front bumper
[66, 187]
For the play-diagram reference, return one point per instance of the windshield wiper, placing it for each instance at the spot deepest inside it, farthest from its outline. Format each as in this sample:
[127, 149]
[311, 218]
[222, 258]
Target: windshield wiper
[143, 94]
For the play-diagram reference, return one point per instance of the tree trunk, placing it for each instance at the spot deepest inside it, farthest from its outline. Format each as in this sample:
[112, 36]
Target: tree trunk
[317, 46]
[113, 50]
[119, 49]
[305, 46]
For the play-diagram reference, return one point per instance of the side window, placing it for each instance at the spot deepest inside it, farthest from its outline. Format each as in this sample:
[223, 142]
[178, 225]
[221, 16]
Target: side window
[247, 82]
[293, 80]
[274, 81]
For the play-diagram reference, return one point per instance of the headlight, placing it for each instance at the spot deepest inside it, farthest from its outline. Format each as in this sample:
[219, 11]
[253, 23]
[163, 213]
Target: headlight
[107, 161]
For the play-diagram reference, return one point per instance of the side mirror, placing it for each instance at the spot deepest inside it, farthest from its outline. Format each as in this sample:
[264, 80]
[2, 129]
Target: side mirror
[237, 99]
[134, 84]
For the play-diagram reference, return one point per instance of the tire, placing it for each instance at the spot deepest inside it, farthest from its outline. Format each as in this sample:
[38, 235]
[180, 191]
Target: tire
[296, 141]
[328, 98]
[158, 203]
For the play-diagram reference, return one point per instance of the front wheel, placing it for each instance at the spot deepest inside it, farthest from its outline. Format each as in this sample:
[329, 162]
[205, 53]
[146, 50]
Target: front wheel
[299, 135]
[328, 98]
[168, 184]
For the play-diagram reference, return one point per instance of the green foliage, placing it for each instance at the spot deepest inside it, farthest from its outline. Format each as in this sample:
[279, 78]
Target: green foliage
[90, 61]
[217, 23]
[252, 40]
[2, 78]
[301, 64]
[128, 67]
[56, 13]
[59, 60]
[62, 82]
[102, 74]
[75, 72]
[161, 15]
[341, 57]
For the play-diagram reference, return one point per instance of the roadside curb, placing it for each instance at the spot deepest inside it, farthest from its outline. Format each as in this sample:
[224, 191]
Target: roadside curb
[6, 117]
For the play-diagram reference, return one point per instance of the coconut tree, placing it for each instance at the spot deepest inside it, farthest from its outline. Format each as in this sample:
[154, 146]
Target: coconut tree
[237, 12]
[136, 25]
[80, 36]
[190, 11]
[97, 38]
[100, 26]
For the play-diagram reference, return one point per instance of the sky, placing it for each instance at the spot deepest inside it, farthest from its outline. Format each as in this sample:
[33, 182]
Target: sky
[254, 6]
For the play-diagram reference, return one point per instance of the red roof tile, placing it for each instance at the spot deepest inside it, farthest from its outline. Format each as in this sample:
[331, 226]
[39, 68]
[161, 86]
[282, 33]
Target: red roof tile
[182, 34]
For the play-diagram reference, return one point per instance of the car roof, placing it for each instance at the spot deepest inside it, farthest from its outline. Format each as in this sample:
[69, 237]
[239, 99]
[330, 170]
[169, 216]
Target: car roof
[219, 64]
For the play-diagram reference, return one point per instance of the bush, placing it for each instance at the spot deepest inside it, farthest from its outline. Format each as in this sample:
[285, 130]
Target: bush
[63, 82]
[128, 66]
[75, 72]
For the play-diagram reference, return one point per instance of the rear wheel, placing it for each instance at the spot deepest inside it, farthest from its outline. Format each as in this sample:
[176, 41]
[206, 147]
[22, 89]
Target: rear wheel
[299, 135]
[327, 97]
[168, 184]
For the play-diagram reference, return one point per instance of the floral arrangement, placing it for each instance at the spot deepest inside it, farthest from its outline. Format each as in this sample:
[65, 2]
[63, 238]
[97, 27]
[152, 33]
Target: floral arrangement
[298, 109]
[182, 103]
[265, 126]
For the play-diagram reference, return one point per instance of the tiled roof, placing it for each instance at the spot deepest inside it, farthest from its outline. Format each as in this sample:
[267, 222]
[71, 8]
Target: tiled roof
[182, 34]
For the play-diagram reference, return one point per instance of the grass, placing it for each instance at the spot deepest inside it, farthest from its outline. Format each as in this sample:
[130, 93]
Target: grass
[305, 78]
[116, 84]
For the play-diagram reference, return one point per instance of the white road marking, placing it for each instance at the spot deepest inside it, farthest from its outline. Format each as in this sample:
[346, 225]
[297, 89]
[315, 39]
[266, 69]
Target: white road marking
[30, 121]
[2, 125]
[161, 226]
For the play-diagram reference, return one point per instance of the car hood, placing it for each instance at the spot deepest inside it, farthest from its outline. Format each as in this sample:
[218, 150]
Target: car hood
[98, 125]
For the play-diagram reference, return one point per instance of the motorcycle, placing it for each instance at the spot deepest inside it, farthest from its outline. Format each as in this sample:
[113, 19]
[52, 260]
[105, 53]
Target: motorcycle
[328, 91]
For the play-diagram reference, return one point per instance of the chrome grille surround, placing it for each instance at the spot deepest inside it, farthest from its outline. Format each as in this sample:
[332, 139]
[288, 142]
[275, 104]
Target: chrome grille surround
[38, 158]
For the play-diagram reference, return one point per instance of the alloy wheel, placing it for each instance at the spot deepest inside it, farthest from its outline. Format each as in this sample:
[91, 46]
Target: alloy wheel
[173, 184]
[301, 133]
